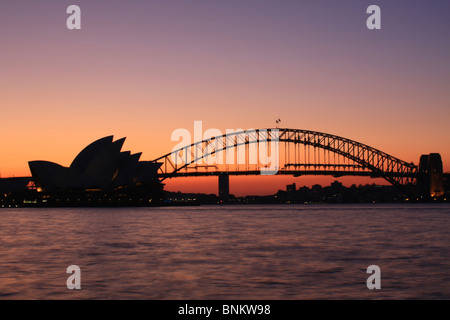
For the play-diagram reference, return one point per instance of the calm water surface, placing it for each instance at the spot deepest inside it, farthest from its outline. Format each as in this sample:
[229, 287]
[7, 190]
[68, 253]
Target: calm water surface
[227, 252]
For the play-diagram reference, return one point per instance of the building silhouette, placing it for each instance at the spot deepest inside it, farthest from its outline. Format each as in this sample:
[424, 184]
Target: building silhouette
[101, 174]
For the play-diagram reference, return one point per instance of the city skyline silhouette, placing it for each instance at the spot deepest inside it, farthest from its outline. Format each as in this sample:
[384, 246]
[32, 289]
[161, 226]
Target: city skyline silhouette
[144, 70]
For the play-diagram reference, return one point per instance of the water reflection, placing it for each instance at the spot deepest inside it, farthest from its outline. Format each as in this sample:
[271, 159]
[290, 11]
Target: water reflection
[226, 252]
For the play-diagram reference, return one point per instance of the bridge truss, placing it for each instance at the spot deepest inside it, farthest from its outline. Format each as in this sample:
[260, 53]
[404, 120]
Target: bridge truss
[299, 152]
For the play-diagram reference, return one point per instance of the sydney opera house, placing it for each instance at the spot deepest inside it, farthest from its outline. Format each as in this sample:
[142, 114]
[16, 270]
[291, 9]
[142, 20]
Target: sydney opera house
[101, 174]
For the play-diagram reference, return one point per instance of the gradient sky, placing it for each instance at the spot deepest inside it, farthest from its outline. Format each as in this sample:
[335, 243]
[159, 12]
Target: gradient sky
[141, 69]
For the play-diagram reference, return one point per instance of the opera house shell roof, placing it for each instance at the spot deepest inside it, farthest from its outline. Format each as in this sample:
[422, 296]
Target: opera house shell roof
[101, 165]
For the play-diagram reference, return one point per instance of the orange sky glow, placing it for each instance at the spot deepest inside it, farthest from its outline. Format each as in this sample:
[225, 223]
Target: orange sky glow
[152, 73]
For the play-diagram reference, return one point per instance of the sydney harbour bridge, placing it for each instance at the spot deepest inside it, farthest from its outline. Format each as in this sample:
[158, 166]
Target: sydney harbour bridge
[102, 174]
[298, 152]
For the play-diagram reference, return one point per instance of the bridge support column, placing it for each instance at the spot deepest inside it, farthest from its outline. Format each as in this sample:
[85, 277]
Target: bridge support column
[430, 180]
[224, 185]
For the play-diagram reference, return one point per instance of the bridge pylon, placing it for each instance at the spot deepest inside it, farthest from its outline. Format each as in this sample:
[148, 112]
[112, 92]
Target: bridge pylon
[430, 181]
[224, 185]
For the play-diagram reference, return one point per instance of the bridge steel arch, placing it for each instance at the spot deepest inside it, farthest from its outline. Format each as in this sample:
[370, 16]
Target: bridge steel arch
[362, 160]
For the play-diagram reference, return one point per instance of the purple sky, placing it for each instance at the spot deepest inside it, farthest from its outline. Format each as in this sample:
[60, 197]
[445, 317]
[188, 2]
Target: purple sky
[142, 69]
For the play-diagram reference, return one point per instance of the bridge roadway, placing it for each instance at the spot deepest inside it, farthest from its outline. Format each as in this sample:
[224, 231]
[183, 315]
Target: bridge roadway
[295, 173]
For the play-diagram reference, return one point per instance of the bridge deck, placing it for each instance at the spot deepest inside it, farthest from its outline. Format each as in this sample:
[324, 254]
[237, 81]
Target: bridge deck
[295, 173]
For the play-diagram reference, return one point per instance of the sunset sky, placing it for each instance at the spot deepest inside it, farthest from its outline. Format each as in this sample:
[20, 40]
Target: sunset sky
[141, 69]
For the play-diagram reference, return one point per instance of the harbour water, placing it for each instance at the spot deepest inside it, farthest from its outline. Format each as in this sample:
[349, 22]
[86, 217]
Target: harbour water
[227, 252]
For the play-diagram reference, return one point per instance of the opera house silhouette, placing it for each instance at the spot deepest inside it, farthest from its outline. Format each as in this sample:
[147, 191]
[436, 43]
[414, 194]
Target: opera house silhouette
[100, 174]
